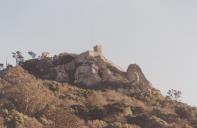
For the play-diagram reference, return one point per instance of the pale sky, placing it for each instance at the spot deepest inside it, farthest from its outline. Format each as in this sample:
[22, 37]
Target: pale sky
[159, 35]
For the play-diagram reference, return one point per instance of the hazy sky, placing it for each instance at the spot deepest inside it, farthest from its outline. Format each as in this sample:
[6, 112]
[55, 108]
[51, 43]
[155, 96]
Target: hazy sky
[159, 35]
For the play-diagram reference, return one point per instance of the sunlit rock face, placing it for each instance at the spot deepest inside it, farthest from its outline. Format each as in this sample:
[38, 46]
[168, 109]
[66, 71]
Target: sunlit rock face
[132, 74]
[136, 76]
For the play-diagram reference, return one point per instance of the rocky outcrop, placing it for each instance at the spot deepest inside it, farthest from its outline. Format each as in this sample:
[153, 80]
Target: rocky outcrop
[87, 75]
[88, 68]
[136, 76]
[61, 73]
[107, 75]
[55, 68]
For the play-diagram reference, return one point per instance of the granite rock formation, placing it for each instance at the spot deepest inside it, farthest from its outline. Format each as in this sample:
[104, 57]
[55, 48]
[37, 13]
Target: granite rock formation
[85, 91]
[88, 68]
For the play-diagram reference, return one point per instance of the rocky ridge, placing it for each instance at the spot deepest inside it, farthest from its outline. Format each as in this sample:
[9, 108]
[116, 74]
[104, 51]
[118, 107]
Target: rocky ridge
[85, 91]
[89, 68]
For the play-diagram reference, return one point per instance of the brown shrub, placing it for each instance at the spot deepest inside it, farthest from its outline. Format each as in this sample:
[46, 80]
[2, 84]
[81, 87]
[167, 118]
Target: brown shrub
[99, 99]
[121, 125]
[96, 99]
[62, 118]
[112, 95]
[2, 122]
[27, 93]
[20, 120]
[96, 124]
[31, 123]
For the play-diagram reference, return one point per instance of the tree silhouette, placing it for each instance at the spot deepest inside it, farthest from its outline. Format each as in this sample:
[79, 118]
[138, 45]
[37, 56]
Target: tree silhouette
[32, 54]
[18, 57]
[174, 94]
[1, 66]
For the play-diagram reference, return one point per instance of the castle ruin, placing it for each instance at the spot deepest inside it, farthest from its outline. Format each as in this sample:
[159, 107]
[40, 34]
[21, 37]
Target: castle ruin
[96, 52]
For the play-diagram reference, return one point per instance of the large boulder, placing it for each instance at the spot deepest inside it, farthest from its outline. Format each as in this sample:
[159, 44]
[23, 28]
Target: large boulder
[61, 74]
[136, 76]
[54, 68]
[107, 75]
[87, 75]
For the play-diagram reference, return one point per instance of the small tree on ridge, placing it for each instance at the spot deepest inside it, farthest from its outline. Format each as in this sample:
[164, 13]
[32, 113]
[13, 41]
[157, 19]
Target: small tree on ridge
[18, 57]
[174, 94]
[32, 54]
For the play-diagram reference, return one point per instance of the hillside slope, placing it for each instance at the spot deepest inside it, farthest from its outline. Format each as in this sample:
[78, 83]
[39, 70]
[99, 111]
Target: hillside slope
[85, 91]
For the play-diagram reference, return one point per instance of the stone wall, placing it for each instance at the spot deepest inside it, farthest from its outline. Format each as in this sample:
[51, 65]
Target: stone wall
[96, 52]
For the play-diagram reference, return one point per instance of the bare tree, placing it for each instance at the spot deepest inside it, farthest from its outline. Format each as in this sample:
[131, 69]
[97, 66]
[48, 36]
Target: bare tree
[18, 56]
[174, 94]
[32, 54]
[1, 66]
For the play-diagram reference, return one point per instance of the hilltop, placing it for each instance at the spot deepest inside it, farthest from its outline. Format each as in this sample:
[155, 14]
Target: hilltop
[85, 91]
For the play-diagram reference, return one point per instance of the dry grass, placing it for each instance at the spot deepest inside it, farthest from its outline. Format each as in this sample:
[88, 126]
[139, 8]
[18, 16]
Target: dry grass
[96, 99]
[35, 99]
[96, 124]
[27, 93]
[20, 120]
[61, 118]
[2, 123]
